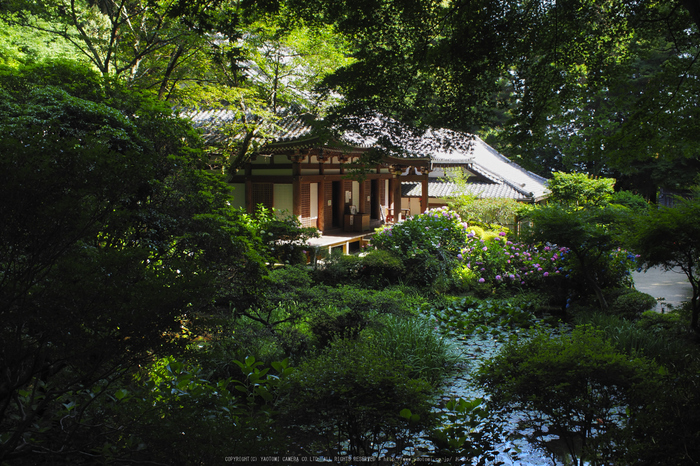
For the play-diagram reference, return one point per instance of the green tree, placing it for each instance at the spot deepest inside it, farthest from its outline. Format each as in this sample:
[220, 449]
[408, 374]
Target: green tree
[487, 211]
[111, 243]
[116, 37]
[578, 385]
[287, 63]
[670, 237]
[609, 89]
[283, 66]
[21, 46]
[424, 62]
[581, 217]
[576, 191]
[595, 86]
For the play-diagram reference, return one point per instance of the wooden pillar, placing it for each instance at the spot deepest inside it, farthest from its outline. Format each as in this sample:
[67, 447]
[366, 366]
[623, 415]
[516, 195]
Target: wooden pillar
[321, 221]
[424, 192]
[390, 206]
[396, 189]
[296, 185]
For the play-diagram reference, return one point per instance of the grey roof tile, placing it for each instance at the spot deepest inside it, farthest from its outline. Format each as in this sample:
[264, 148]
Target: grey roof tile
[444, 189]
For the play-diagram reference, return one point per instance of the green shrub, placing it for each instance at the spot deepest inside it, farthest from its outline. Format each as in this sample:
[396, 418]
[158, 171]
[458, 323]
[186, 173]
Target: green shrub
[659, 346]
[380, 268]
[654, 335]
[338, 269]
[490, 211]
[389, 301]
[635, 202]
[427, 244]
[234, 342]
[673, 321]
[437, 231]
[332, 324]
[578, 382]
[464, 278]
[285, 240]
[353, 393]
[631, 305]
[291, 278]
[172, 412]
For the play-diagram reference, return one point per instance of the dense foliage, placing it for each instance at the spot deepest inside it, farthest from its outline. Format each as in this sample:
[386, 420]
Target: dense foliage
[428, 244]
[142, 320]
[111, 244]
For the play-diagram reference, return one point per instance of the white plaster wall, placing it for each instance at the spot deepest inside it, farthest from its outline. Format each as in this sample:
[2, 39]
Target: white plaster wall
[314, 200]
[283, 195]
[273, 171]
[238, 193]
[356, 194]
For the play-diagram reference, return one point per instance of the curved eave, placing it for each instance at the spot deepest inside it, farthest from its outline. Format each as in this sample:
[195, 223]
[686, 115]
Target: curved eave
[314, 142]
[278, 146]
[412, 161]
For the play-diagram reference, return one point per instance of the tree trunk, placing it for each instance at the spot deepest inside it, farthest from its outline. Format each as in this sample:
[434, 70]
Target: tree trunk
[174, 57]
[591, 280]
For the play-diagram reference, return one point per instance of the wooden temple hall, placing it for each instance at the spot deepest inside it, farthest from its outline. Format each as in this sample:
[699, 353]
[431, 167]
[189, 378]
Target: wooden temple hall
[314, 185]
[299, 174]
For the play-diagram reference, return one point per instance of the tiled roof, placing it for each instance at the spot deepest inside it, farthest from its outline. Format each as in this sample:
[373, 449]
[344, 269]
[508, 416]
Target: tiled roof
[489, 160]
[442, 189]
[212, 122]
[439, 147]
[448, 148]
[289, 132]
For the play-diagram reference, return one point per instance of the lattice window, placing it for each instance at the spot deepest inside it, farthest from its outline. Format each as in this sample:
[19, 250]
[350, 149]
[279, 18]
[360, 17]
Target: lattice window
[263, 194]
[305, 200]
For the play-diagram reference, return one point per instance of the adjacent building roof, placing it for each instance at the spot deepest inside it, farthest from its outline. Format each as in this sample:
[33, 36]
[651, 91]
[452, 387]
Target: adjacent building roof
[439, 189]
[495, 176]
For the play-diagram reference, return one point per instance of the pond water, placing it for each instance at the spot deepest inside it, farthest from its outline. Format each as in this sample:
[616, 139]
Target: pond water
[515, 449]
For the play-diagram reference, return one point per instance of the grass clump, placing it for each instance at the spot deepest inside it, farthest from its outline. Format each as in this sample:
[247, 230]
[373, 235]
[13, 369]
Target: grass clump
[416, 342]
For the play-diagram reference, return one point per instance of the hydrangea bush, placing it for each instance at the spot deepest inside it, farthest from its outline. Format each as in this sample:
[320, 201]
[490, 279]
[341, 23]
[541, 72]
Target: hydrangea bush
[428, 244]
[500, 262]
[439, 232]
[437, 245]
